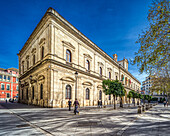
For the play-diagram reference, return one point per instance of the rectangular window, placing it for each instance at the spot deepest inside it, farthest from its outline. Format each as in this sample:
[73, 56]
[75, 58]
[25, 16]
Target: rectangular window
[0, 77]
[2, 87]
[17, 87]
[7, 95]
[16, 79]
[9, 78]
[7, 87]
[4, 77]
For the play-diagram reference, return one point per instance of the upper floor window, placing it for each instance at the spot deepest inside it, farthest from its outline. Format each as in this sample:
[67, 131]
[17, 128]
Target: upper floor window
[100, 70]
[116, 78]
[7, 87]
[68, 92]
[28, 64]
[4, 77]
[87, 65]
[17, 88]
[33, 59]
[42, 52]
[87, 94]
[2, 87]
[0, 76]
[9, 78]
[68, 55]
[109, 75]
[27, 94]
[22, 68]
[100, 95]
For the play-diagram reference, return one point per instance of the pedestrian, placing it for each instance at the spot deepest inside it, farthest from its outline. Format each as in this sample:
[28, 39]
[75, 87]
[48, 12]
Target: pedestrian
[76, 104]
[6, 100]
[69, 104]
[164, 103]
[167, 103]
[101, 103]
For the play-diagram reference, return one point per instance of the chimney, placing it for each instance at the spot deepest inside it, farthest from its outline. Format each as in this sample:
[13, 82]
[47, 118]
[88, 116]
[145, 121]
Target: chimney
[115, 57]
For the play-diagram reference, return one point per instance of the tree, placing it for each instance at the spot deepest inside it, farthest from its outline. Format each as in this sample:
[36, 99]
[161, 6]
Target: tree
[121, 94]
[154, 49]
[139, 97]
[112, 87]
[129, 95]
[134, 95]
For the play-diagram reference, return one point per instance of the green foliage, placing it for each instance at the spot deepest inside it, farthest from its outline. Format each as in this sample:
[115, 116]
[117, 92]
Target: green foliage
[154, 48]
[154, 99]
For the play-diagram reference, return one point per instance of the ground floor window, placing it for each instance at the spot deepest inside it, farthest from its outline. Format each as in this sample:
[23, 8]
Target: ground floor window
[33, 92]
[41, 91]
[27, 94]
[100, 95]
[109, 96]
[7, 95]
[68, 92]
[87, 94]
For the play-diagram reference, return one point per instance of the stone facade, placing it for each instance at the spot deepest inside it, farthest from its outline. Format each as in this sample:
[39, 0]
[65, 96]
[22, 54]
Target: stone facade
[51, 56]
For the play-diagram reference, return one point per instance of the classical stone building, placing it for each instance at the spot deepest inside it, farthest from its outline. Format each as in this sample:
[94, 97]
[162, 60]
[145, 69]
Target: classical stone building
[52, 55]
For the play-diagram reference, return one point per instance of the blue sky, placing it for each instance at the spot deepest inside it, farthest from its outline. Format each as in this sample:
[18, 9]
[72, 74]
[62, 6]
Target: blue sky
[113, 25]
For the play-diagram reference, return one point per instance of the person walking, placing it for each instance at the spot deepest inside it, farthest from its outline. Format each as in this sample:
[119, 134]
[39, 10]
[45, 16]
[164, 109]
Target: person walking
[164, 103]
[6, 100]
[98, 103]
[101, 103]
[69, 104]
[167, 103]
[76, 103]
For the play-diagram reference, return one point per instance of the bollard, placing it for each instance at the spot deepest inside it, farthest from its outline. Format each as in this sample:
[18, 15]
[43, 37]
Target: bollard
[143, 108]
[139, 110]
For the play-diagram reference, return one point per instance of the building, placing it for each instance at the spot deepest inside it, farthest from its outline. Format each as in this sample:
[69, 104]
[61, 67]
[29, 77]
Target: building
[8, 83]
[147, 84]
[58, 62]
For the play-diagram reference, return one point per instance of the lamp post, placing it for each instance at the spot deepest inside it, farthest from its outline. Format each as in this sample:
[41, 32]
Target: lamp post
[76, 75]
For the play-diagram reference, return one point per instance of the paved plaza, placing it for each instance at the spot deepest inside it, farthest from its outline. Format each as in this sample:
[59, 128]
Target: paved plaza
[20, 119]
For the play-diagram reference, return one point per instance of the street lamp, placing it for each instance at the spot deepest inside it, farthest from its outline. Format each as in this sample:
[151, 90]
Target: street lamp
[76, 75]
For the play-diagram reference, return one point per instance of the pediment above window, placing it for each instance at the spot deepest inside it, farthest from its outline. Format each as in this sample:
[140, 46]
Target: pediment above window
[68, 44]
[42, 41]
[33, 50]
[109, 69]
[100, 87]
[68, 79]
[41, 77]
[100, 64]
[87, 56]
[27, 57]
[87, 83]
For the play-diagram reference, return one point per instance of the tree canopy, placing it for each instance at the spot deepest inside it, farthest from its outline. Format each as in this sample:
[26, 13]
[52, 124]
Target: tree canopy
[154, 49]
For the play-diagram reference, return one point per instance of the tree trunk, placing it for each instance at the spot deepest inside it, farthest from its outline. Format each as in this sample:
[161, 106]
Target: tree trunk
[134, 101]
[121, 104]
[114, 101]
[129, 102]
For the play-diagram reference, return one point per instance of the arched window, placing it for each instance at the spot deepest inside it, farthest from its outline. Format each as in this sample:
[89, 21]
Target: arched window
[27, 94]
[68, 92]
[109, 96]
[22, 68]
[27, 63]
[41, 91]
[100, 70]
[42, 52]
[87, 94]
[88, 65]
[68, 55]
[109, 75]
[100, 95]
[33, 92]
[33, 59]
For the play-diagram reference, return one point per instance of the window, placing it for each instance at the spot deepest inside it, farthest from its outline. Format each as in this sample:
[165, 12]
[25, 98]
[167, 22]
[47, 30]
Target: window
[22, 94]
[41, 91]
[22, 68]
[116, 78]
[109, 96]
[109, 75]
[87, 94]
[68, 55]
[68, 92]
[0, 77]
[7, 87]
[7, 95]
[42, 52]
[17, 88]
[87, 65]
[33, 59]
[9, 78]
[16, 79]
[28, 64]
[100, 95]
[2, 87]
[100, 71]
[27, 94]
[4, 77]
[33, 92]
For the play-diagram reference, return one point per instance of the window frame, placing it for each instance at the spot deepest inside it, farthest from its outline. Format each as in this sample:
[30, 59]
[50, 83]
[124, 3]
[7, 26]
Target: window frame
[87, 94]
[68, 56]
[68, 92]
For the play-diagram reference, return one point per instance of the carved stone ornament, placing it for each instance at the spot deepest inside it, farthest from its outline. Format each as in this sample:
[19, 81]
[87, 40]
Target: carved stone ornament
[41, 77]
[100, 64]
[42, 41]
[68, 79]
[87, 56]
[68, 44]
[33, 50]
[87, 84]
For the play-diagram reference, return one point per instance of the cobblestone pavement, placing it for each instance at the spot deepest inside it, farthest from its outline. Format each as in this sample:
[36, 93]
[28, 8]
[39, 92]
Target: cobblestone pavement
[20, 119]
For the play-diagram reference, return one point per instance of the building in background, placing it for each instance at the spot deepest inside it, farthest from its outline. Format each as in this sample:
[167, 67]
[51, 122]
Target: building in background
[146, 89]
[8, 83]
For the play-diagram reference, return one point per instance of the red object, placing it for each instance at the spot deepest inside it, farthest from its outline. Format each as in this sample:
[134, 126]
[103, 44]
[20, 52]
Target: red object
[8, 83]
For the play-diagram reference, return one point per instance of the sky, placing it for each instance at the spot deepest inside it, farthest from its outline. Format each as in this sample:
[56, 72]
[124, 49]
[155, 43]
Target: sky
[113, 25]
